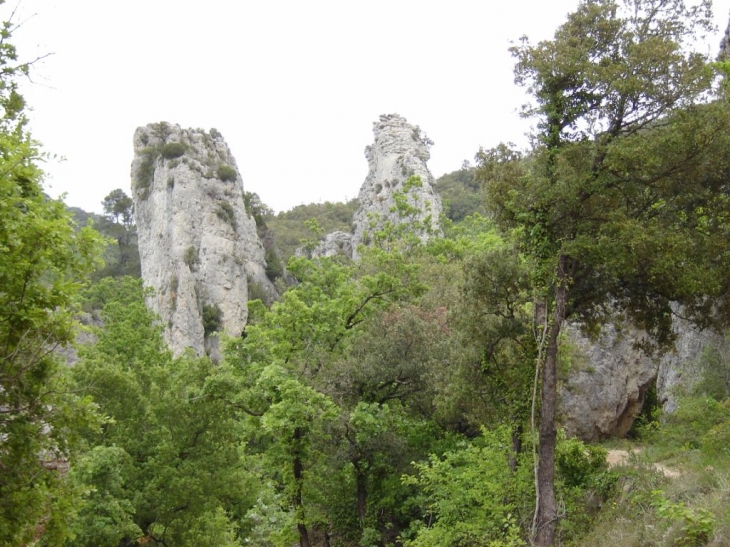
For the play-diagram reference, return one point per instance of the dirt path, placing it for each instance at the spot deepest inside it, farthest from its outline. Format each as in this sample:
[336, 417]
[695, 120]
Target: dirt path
[617, 458]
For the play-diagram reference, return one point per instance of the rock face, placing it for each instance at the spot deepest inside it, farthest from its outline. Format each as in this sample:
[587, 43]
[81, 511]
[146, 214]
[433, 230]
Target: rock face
[399, 152]
[605, 388]
[680, 370]
[608, 379]
[336, 243]
[198, 246]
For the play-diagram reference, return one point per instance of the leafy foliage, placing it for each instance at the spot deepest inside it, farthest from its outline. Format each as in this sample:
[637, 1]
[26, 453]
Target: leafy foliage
[171, 440]
[226, 173]
[172, 150]
[461, 193]
[44, 261]
[145, 173]
[212, 317]
[470, 496]
[289, 227]
[226, 213]
[618, 186]
[697, 526]
[191, 257]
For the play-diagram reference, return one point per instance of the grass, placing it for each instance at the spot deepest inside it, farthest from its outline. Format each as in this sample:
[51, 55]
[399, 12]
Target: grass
[651, 509]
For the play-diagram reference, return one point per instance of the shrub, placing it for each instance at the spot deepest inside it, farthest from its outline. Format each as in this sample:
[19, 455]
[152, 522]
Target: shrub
[579, 464]
[212, 317]
[274, 267]
[470, 496]
[696, 526]
[226, 173]
[215, 133]
[225, 212]
[191, 257]
[144, 176]
[693, 420]
[172, 150]
[163, 129]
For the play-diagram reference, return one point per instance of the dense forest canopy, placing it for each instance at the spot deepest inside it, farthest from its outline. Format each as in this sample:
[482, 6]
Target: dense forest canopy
[408, 398]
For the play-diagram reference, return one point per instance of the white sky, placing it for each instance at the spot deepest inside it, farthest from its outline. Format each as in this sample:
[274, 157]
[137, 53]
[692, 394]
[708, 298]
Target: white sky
[292, 85]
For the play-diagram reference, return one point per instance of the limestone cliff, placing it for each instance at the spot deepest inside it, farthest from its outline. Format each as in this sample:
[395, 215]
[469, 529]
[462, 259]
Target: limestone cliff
[198, 246]
[399, 152]
[606, 382]
[608, 378]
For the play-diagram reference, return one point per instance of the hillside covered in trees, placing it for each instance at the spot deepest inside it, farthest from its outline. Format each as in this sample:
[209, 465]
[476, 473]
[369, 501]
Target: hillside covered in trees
[408, 397]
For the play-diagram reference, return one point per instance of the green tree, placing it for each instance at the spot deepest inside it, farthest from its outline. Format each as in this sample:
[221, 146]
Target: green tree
[385, 388]
[289, 227]
[461, 193]
[119, 205]
[617, 191]
[498, 343]
[167, 467]
[44, 261]
[470, 497]
[286, 367]
[118, 224]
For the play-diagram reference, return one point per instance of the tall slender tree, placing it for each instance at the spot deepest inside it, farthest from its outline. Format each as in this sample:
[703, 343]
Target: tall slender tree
[614, 208]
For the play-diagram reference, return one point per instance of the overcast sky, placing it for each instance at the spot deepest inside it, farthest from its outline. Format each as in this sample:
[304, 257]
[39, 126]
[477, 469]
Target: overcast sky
[294, 86]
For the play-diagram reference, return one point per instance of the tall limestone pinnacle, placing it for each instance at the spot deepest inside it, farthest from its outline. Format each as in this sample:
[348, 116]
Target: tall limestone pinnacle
[399, 152]
[198, 246]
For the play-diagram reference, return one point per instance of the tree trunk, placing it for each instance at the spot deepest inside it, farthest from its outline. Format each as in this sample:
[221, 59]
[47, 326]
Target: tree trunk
[362, 495]
[516, 447]
[298, 479]
[547, 514]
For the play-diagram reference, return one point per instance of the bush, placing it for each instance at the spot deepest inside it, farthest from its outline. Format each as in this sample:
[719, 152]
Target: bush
[226, 173]
[579, 464]
[191, 257]
[696, 420]
[695, 526]
[274, 267]
[212, 317]
[172, 150]
[144, 176]
[225, 212]
[470, 496]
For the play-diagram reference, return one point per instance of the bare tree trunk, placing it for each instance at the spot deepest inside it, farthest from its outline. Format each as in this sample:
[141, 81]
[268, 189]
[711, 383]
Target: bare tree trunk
[362, 495]
[298, 479]
[516, 447]
[547, 513]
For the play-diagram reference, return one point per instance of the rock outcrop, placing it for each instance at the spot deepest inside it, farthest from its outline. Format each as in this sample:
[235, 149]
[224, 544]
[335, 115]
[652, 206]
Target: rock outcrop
[399, 152]
[198, 246]
[682, 369]
[334, 244]
[608, 379]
